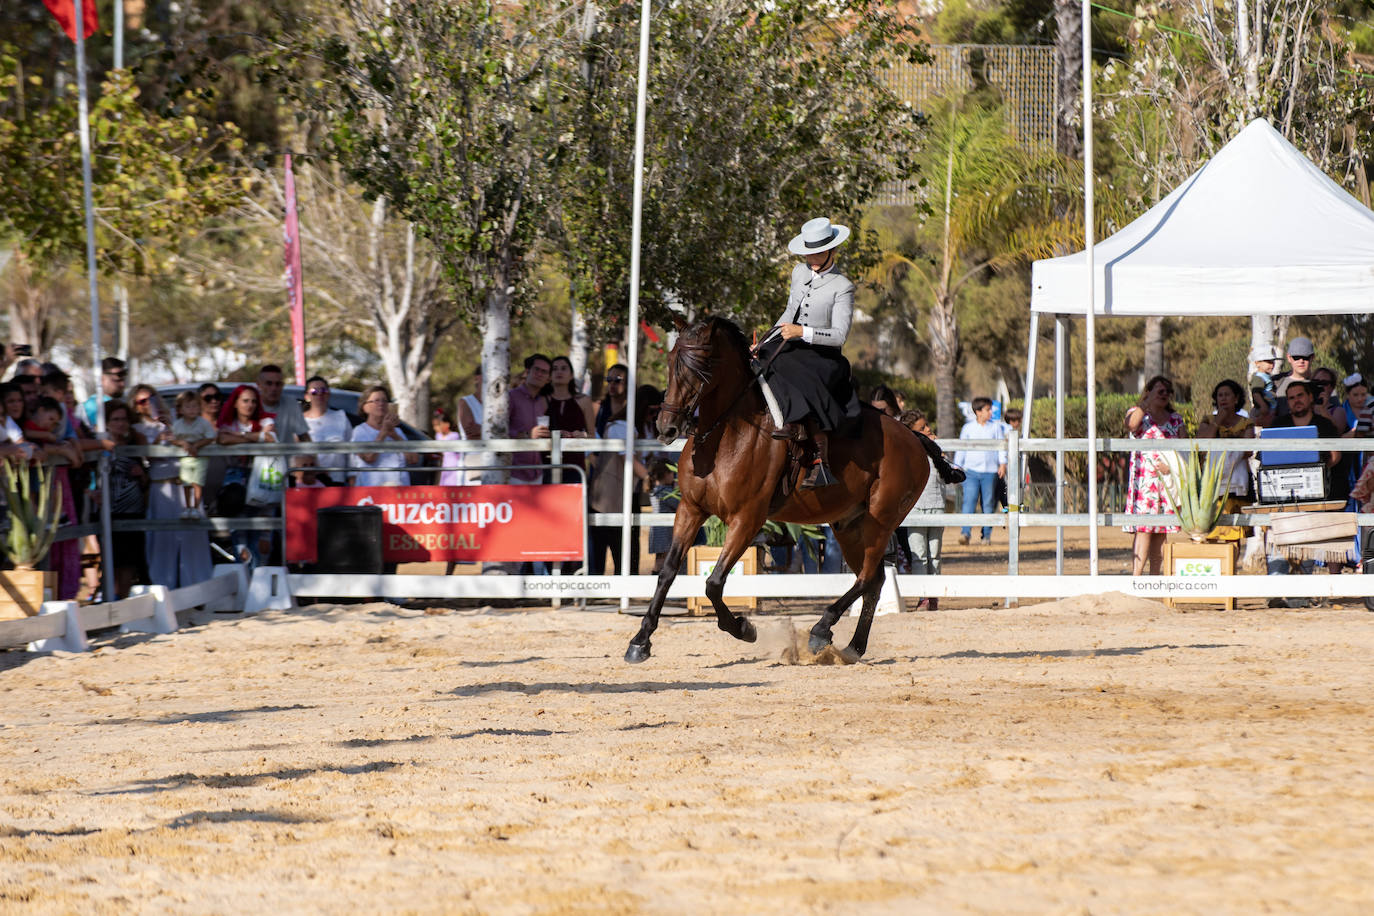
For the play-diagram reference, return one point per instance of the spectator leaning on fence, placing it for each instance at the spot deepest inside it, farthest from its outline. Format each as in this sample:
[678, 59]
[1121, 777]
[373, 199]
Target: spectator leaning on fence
[1301, 395]
[113, 374]
[527, 407]
[925, 541]
[1152, 417]
[326, 425]
[1226, 422]
[128, 481]
[982, 467]
[380, 469]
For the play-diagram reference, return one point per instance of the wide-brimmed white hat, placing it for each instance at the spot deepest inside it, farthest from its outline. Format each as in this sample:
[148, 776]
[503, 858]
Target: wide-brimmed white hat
[1265, 352]
[818, 235]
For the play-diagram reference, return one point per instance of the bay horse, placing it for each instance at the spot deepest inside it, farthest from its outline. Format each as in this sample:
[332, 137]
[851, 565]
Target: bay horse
[733, 468]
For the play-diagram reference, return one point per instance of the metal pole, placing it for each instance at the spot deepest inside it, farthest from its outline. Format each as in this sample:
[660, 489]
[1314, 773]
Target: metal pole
[1061, 366]
[118, 34]
[92, 279]
[632, 332]
[1014, 506]
[1090, 340]
[1018, 467]
[556, 458]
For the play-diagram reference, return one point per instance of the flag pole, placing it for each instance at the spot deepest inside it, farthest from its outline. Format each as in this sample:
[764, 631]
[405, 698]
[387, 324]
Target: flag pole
[1090, 339]
[632, 328]
[84, 129]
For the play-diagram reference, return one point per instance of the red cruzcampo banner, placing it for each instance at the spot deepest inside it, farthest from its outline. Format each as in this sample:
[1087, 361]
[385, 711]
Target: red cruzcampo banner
[465, 524]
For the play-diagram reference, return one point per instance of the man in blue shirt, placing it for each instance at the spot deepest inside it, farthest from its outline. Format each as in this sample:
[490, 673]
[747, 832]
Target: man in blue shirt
[113, 375]
[983, 468]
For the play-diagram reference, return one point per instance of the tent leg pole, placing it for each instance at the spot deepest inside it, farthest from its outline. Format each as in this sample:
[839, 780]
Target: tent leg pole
[1018, 467]
[1061, 366]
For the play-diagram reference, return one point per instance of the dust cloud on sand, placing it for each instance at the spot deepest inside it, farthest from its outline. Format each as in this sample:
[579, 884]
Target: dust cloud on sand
[1101, 755]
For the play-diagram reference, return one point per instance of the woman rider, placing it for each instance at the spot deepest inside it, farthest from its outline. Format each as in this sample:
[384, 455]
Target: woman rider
[809, 375]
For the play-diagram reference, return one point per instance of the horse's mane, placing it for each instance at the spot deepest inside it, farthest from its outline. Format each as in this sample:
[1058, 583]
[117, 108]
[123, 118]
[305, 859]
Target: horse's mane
[694, 356]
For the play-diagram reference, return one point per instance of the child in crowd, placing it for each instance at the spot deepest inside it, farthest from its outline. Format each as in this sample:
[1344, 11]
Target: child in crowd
[12, 399]
[43, 429]
[308, 478]
[191, 431]
[662, 498]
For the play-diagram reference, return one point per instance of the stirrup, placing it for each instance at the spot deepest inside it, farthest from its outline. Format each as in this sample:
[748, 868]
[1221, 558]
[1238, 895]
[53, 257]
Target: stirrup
[819, 477]
[789, 431]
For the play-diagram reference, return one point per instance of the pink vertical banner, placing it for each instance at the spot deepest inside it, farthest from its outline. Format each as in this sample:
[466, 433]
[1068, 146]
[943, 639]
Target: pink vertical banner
[295, 290]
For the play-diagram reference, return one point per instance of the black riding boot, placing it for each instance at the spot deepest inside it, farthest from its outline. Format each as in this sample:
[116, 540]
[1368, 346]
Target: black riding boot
[820, 475]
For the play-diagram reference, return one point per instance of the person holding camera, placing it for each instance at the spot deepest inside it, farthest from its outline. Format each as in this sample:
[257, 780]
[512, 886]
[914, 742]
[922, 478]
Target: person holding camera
[379, 469]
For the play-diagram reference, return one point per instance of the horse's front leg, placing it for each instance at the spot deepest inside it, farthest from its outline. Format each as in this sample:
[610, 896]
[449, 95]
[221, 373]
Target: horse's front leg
[737, 540]
[686, 523]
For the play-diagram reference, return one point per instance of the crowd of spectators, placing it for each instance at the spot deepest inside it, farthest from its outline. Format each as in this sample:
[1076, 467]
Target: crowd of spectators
[1334, 404]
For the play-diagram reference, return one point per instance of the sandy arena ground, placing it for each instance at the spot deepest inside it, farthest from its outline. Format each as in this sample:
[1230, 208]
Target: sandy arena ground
[1090, 756]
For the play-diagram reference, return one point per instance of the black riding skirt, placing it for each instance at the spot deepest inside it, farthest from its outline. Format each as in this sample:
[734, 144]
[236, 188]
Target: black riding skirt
[812, 381]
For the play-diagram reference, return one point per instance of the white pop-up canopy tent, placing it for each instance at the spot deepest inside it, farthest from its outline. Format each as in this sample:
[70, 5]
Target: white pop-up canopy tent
[1257, 230]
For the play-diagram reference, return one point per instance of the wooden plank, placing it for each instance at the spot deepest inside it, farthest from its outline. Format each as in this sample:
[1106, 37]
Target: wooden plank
[28, 629]
[99, 616]
[202, 592]
[1312, 527]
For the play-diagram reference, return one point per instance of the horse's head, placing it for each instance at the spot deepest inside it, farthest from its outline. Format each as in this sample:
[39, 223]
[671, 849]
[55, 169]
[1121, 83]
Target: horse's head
[689, 375]
[692, 373]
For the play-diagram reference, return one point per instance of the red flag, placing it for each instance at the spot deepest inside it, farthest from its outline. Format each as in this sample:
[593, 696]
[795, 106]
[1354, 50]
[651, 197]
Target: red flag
[295, 293]
[648, 331]
[65, 13]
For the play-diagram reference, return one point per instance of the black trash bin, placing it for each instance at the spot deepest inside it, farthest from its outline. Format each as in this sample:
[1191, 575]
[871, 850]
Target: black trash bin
[348, 539]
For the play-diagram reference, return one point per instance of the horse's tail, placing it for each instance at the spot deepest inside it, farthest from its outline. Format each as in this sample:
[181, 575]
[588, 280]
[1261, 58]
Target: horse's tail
[948, 472]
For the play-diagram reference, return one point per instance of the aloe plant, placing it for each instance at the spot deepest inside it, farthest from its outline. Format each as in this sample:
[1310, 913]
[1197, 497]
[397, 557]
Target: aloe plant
[1195, 490]
[35, 508]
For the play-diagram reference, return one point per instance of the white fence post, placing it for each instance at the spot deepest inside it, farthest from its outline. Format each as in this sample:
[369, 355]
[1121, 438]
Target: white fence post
[74, 640]
[164, 619]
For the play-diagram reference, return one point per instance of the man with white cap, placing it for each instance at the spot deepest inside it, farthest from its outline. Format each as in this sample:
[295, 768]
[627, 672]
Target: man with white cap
[808, 374]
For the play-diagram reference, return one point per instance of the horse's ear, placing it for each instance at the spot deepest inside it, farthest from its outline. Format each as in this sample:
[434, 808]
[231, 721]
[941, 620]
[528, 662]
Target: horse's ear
[679, 322]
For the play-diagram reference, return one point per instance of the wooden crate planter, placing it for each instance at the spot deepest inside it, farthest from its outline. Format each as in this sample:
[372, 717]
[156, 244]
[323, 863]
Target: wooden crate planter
[700, 562]
[1185, 558]
[22, 592]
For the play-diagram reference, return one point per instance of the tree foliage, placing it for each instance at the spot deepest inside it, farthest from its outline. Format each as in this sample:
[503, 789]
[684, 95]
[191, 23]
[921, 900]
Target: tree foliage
[761, 115]
[155, 174]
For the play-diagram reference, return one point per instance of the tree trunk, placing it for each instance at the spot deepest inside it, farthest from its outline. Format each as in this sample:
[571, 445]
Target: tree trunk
[496, 374]
[1068, 46]
[1154, 346]
[943, 333]
[579, 350]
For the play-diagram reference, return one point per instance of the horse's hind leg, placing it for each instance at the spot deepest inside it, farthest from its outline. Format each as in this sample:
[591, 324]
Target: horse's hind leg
[685, 526]
[858, 645]
[873, 575]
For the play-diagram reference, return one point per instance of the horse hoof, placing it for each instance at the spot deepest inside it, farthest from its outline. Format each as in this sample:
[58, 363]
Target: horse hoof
[817, 643]
[850, 655]
[637, 653]
[747, 633]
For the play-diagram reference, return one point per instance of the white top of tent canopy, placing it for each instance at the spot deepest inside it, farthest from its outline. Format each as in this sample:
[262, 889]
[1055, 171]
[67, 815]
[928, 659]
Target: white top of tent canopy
[1257, 230]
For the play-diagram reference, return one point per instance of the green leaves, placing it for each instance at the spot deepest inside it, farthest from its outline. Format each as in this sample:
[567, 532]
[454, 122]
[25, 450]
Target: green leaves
[155, 176]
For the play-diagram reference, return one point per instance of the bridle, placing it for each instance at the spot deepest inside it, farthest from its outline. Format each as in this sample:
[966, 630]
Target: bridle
[699, 366]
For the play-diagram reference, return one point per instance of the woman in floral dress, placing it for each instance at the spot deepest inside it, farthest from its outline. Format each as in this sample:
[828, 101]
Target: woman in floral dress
[1152, 417]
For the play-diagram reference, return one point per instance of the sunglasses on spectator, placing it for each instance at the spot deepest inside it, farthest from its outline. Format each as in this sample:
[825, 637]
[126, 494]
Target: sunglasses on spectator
[318, 391]
[212, 396]
[1306, 359]
[143, 400]
[615, 380]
